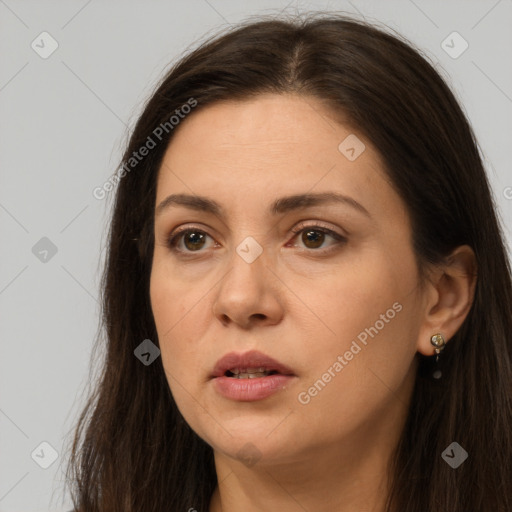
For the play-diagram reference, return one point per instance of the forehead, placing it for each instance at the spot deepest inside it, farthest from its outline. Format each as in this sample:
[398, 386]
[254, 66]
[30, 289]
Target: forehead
[268, 146]
[268, 121]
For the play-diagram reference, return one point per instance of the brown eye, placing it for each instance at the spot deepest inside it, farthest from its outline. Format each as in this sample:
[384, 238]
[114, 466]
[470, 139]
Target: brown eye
[313, 238]
[193, 240]
[188, 240]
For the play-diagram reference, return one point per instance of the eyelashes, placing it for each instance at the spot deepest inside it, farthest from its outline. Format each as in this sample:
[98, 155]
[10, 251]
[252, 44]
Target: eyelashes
[308, 229]
[175, 238]
[315, 234]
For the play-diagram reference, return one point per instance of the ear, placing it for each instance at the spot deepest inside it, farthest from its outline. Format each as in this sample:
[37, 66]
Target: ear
[449, 294]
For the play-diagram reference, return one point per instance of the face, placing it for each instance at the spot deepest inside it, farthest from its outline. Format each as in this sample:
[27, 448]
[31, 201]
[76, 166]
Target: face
[326, 285]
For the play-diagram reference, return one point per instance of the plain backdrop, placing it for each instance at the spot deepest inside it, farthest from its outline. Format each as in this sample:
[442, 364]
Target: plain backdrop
[64, 118]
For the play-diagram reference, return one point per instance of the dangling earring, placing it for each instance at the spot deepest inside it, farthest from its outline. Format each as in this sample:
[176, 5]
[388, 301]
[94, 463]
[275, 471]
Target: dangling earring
[439, 343]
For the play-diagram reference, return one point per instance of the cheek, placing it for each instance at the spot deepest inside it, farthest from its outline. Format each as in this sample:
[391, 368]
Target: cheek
[172, 325]
[369, 316]
[173, 298]
[182, 312]
[353, 297]
[171, 311]
[361, 371]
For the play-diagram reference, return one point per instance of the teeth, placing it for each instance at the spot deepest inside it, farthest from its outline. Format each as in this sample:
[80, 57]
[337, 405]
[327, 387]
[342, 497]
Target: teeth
[249, 373]
[237, 371]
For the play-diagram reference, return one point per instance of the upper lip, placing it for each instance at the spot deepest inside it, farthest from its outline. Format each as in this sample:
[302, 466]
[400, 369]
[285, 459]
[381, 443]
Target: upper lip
[252, 359]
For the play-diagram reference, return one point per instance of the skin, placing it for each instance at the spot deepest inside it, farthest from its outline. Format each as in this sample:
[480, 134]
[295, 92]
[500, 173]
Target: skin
[297, 302]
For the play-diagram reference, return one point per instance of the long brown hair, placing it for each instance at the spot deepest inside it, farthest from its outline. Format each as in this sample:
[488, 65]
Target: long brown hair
[132, 449]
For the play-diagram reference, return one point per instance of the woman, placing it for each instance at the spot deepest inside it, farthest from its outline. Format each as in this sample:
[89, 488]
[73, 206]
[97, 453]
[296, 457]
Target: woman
[306, 296]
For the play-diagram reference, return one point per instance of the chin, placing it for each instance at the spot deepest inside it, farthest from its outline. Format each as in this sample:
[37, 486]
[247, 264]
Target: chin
[250, 438]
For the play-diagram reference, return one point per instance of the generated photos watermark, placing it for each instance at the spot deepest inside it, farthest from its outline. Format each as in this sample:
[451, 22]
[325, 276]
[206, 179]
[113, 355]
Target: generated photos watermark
[304, 397]
[151, 142]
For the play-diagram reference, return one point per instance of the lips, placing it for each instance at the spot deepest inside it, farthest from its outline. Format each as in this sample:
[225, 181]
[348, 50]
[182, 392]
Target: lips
[233, 364]
[250, 377]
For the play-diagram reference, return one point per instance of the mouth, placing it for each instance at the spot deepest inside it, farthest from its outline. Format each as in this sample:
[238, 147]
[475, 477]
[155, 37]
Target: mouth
[250, 376]
[249, 373]
[249, 365]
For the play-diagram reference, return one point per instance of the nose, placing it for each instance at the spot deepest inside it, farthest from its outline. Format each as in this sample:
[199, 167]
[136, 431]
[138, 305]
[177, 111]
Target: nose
[249, 294]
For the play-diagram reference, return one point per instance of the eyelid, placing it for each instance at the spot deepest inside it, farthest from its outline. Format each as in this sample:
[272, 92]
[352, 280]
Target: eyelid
[318, 224]
[174, 238]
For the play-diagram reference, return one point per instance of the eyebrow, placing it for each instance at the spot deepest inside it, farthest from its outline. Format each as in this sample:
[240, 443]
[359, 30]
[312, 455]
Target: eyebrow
[279, 206]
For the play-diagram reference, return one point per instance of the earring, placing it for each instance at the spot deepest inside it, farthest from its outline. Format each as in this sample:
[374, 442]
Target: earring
[439, 343]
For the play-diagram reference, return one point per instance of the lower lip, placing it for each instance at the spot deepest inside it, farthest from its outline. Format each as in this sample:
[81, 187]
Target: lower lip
[250, 390]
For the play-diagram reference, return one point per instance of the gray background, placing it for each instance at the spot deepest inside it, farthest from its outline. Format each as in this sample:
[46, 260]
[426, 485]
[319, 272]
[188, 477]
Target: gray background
[63, 122]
